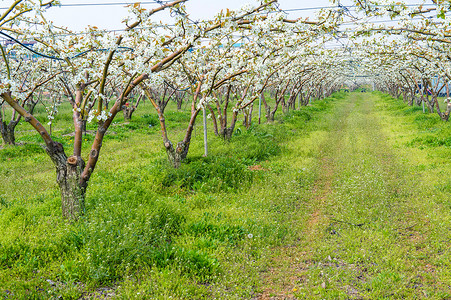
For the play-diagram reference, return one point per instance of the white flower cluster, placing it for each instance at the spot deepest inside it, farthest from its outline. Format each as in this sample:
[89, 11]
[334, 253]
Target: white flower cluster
[101, 117]
[204, 102]
[247, 8]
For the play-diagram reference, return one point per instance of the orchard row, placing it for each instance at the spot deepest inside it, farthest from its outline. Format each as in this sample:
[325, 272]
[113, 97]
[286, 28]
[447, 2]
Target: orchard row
[225, 67]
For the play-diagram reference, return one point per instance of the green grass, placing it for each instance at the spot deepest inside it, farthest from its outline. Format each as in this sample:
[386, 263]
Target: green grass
[205, 230]
[344, 199]
[382, 223]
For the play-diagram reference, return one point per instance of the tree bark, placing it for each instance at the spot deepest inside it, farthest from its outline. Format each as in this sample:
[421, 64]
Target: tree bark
[72, 192]
[443, 115]
[269, 116]
[178, 154]
[179, 97]
[175, 155]
[213, 118]
[8, 131]
[179, 104]
[227, 132]
[129, 109]
[68, 170]
[68, 177]
[418, 100]
[128, 112]
[249, 116]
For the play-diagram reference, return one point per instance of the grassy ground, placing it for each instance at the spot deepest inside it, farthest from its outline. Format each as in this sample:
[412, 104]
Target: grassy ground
[348, 198]
[380, 226]
[206, 230]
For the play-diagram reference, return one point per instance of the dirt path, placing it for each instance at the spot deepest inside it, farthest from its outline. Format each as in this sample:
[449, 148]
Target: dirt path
[354, 244]
[295, 261]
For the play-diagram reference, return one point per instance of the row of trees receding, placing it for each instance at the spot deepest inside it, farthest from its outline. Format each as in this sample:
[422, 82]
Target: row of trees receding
[222, 66]
[226, 67]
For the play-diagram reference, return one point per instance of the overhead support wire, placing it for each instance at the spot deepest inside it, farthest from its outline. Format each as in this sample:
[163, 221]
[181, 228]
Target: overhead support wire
[54, 57]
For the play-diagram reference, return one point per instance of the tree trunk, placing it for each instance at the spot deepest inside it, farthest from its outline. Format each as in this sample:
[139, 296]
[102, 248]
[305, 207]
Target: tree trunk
[446, 114]
[175, 155]
[430, 105]
[72, 193]
[411, 97]
[249, 116]
[128, 112]
[270, 115]
[213, 118]
[404, 96]
[179, 99]
[300, 100]
[418, 100]
[443, 115]
[31, 105]
[8, 131]
[68, 173]
[227, 133]
[130, 109]
[285, 108]
[178, 154]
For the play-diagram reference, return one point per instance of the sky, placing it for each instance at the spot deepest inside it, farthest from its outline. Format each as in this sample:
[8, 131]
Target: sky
[76, 15]
[110, 16]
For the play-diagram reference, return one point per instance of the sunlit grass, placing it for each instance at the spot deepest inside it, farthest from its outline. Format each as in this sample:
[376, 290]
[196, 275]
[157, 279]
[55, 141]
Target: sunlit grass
[206, 230]
[349, 198]
[385, 221]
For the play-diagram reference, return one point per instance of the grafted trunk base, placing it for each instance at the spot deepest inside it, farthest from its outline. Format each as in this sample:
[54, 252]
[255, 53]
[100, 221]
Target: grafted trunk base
[176, 155]
[72, 192]
[68, 177]
[8, 137]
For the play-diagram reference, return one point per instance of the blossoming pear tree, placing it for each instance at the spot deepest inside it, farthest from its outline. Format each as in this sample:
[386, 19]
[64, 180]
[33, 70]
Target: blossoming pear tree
[91, 63]
[94, 65]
